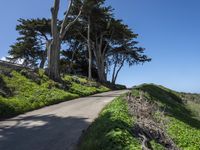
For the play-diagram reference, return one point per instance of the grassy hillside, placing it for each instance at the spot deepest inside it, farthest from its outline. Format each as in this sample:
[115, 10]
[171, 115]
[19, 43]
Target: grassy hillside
[112, 130]
[184, 124]
[115, 127]
[24, 91]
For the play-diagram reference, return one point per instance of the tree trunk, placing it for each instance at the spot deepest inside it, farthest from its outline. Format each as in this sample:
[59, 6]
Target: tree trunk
[116, 75]
[100, 58]
[57, 36]
[54, 45]
[53, 59]
[89, 52]
[101, 69]
[71, 70]
[113, 75]
[42, 63]
[43, 60]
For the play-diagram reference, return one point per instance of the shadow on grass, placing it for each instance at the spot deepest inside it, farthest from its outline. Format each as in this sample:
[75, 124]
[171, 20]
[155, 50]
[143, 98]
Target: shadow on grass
[107, 133]
[5, 91]
[173, 104]
[45, 132]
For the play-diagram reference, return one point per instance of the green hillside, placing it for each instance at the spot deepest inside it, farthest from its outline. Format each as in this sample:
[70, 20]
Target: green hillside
[23, 91]
[176, 114]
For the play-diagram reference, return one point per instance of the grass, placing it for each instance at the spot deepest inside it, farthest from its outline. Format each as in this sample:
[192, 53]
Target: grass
[183, 126]
[83, 87]
[195, 109]
[19, 93]
[112, 130]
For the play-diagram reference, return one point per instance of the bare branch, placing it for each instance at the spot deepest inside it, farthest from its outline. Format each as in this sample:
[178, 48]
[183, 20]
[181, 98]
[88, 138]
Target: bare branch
[64, 23]
[54, 11]
[70, 24]
[84, 37]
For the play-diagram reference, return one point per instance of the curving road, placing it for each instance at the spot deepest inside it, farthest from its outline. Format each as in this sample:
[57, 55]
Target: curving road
[56, 127]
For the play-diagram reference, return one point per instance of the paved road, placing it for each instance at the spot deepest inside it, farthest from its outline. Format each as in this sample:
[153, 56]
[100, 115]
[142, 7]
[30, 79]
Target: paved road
[56, 127]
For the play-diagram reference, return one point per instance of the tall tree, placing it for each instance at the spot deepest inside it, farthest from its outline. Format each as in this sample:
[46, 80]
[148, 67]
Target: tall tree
[95, 18]
[30, 46]
[84, 28]
[90, 7]
[129, 54]
[58, 35]
[108, 35]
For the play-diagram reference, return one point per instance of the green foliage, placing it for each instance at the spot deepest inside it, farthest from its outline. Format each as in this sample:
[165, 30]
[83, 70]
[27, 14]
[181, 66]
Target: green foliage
[82, 90]
[84, 87]
[184, 135]
[30, 45]
[116, 48]
[183, 126]
[156, 146]
[29, 95]
[195, 107]
[112, 130]
[120, 87]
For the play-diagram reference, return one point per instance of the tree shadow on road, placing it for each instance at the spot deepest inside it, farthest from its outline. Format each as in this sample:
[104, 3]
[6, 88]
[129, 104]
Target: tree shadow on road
[41, 132]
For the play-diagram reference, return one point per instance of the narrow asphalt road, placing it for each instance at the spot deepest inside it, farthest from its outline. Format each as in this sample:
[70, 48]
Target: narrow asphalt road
[56, 127]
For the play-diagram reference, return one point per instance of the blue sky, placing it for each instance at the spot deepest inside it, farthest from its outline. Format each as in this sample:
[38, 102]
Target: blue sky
[168, 29]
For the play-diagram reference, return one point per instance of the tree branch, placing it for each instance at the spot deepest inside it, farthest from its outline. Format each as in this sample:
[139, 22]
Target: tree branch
[42, 34]
[104, 50]
[64, 23]
[54, 12]
[84, 37]
[122, 64]
[101, 42]
[71, 23]
[113, 75]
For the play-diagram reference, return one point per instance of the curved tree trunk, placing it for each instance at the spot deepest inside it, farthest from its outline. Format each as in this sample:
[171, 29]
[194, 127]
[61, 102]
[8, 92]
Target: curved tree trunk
[115, 73]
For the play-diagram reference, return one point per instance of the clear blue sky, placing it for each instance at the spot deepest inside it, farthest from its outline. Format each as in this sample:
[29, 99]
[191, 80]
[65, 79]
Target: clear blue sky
[168, 29]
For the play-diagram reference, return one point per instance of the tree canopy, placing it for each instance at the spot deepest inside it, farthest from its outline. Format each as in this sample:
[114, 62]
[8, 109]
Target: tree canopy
[31, 45]
[91, 41]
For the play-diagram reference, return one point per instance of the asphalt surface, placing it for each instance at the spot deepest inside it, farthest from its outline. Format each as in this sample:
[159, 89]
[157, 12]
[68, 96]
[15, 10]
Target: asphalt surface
[57, 127]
